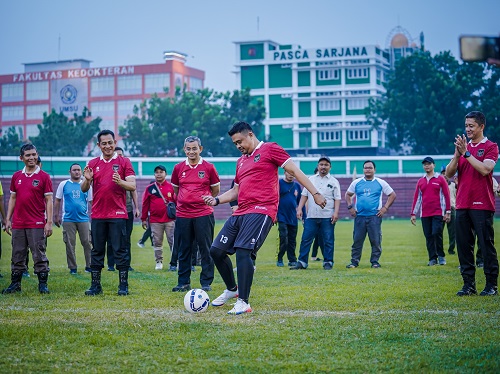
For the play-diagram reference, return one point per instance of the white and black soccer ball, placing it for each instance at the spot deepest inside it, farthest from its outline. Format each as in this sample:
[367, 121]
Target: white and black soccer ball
[196, 301]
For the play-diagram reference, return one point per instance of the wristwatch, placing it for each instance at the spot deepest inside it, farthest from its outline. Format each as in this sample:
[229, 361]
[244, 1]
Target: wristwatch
[349, 207]
[466, 154]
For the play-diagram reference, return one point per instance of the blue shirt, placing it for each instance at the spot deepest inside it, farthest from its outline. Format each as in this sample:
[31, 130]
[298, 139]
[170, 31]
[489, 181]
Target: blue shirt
[369, 195]
[75, 202]
[289, 200]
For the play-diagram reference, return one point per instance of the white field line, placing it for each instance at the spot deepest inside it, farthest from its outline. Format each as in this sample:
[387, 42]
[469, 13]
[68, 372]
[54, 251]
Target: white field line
[284, 313]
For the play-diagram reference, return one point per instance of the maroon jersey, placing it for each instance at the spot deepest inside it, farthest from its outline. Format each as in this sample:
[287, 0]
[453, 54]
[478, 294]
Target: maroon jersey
[152, 202]
[257, 179]
[432, 196]
[474, 190]
[30, 191]
[109, 200]
[193, 183]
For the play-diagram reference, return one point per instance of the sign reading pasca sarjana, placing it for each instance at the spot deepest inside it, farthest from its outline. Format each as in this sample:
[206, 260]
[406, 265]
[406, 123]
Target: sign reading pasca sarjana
[316, 54]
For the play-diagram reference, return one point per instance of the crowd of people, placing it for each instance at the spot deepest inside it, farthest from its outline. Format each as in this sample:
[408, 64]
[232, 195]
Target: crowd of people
[100, 203]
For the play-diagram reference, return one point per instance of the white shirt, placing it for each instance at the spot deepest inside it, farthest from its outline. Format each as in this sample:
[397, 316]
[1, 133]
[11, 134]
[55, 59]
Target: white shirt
[329, 187]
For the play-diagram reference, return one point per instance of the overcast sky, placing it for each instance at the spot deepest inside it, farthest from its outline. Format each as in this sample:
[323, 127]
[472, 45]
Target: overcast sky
[132, 32]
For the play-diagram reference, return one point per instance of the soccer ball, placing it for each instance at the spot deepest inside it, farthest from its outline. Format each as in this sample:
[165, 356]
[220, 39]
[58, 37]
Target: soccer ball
[196, 301]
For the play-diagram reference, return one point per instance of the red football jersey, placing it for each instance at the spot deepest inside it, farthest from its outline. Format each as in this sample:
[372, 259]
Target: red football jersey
[474, 190]
[257, 179]
[30, 191]
[109, 200]
[152, 202]
[193, 183]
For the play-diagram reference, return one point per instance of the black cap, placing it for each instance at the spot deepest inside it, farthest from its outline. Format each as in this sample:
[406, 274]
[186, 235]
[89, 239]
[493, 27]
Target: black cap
[161, 167]
[324, 158]
[428, 159]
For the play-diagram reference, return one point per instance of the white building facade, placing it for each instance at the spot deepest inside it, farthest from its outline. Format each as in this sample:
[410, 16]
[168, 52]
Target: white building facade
[316, 98]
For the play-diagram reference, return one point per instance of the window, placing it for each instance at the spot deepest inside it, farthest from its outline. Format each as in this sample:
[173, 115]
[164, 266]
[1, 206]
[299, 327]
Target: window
[329, 124]
[195, 84]
[358, 135]
[325, 105]
[360, 92]
[324, 63]
[36, 112]
[103, 109]
[357, 73]
[156, 83]
[328, 93]
[12, 113]
[107, 125]
[356, 104]
[363, 61]
[102, 86]
[329, 136]
[354, 124]
[328, 74]
[178, 80]
[12, 92]
[32, 130]
[126, 107]
[130, 84]
[37, 90]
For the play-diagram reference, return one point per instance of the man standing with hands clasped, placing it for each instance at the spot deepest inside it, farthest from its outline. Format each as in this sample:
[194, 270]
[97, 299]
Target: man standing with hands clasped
[475, 204]
[110, 177]
[257, 190]
[368, 212]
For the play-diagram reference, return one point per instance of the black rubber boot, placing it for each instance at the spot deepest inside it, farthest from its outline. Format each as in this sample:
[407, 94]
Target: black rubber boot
[123, 286]
[15, 286]
[95, 286]
[42, 282]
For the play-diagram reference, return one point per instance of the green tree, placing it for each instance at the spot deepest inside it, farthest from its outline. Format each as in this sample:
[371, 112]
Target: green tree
[160, 125]
[10, 142]
[426, 100]
[61, 136]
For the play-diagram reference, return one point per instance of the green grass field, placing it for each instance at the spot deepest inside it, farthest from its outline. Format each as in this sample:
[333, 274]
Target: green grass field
[403, 317]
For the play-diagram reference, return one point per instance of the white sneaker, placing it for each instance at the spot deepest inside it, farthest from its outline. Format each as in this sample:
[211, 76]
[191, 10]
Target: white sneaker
[240, 307]
[140, 244]
[226, 295]
[159, 265]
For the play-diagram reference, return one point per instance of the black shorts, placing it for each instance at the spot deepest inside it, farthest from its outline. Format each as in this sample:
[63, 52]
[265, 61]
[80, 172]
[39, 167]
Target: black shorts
[248, 231]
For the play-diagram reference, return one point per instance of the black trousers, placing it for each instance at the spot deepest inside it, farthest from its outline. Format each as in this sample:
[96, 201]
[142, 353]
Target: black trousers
[202, 230]
[113, 231]
[433, 232]
[129, 224]
[470, 221]
[288, 241]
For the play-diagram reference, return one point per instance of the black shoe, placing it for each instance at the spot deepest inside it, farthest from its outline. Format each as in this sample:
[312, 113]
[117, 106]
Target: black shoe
[451, 251]
[292, 263]
[432, 262]
[489, 290]
[123, 285]
[130, 268]
[318, 259]
[15, 285]
[193, 268]
[206, 288]
[375, 265]
[111, 268]
[42, 282]
[467, 290]
[327, 266]
[352, 265]
[73, 271]
[480, 264]
[95, 285]
[181, 288]
[88, 270]
[299, 266]
[172, 268]
[26, 274]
